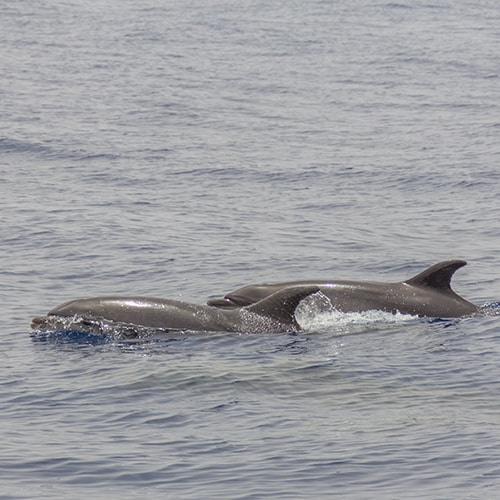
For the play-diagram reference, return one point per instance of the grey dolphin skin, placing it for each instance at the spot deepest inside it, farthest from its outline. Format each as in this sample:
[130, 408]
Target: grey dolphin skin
[426, 294]
[273, 314]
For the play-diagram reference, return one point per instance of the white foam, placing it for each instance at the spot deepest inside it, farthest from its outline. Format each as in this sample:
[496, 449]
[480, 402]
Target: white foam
[318, 315]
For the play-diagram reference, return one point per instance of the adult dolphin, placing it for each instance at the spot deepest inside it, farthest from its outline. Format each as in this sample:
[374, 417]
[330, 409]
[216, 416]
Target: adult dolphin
[426, 294]
[275, 313]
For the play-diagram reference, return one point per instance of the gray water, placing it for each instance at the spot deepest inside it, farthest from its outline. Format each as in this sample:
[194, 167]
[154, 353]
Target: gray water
[185, 149]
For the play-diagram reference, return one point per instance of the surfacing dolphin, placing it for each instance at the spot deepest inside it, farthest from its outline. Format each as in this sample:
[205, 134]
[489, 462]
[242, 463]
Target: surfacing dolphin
[275, 313]
[426, 294]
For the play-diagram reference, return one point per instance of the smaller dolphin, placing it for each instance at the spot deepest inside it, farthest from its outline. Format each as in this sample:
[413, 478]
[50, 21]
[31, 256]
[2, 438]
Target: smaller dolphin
[426, 294]
[275, 313]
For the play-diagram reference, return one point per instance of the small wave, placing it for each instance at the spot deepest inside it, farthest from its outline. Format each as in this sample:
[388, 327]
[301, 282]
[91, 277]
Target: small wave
[49, 150]
[14, 146]
[491, 308]
[68, 337]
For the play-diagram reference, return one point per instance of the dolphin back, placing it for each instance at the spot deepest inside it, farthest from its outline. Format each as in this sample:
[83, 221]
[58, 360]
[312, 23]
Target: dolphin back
[428, 293]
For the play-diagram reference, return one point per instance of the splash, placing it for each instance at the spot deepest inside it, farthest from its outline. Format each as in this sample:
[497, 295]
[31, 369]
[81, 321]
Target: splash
[92, 330]
[491, 308]
[317, 314]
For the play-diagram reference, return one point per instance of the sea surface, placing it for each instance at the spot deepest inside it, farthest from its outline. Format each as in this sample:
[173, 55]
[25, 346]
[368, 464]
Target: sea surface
[186, 149]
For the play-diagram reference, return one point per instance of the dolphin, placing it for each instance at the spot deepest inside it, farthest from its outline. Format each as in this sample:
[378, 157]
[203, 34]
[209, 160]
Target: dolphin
[275, 313]
[426, 294]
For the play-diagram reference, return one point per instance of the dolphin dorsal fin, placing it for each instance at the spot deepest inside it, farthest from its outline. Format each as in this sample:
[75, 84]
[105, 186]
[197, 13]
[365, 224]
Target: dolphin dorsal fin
[281, 305]
[437, 276]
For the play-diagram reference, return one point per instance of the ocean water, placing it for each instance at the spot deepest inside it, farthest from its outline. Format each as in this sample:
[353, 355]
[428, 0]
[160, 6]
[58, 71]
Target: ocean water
[185, 149]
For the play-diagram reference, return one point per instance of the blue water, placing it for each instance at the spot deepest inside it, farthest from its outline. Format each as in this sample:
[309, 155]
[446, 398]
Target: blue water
[185, 149]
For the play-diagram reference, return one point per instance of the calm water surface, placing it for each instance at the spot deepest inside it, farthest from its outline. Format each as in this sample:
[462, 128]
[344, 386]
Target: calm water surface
[186, 149]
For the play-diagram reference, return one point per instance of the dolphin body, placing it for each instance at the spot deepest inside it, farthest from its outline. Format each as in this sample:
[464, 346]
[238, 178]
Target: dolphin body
[426, 294]
[275, 313]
